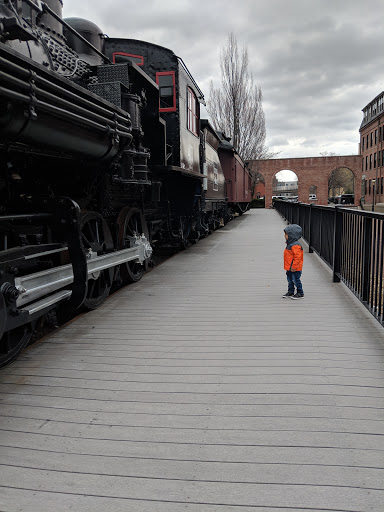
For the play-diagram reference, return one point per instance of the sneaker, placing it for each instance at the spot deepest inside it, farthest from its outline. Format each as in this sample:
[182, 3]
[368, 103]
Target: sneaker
[287, 295]
[298, 296]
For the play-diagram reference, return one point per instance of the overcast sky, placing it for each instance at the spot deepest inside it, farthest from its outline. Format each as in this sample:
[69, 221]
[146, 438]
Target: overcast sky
[318, 62]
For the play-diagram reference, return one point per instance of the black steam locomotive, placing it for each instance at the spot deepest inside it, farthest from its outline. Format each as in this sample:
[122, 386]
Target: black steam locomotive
[102, 157]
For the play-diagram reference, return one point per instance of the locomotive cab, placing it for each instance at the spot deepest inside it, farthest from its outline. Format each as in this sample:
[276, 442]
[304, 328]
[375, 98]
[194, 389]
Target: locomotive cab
[180, 98]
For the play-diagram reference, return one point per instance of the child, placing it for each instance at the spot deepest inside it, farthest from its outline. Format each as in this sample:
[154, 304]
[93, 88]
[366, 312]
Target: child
[293, 261]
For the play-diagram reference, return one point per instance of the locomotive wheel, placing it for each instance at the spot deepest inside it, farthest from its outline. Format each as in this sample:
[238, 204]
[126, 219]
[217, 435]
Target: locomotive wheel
[194, 235]
[227, 217]
[211, 224]
[131, 222]
[204, 229]
[3, 315]
[13, 342]
[185, 231]
[96, 237]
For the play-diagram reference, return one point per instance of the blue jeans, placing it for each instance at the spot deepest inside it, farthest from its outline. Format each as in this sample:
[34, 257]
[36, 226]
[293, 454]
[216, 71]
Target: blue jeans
[293, 279]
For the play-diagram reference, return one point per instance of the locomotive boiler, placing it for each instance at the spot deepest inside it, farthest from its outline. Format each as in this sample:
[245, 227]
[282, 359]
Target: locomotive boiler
[103, 157]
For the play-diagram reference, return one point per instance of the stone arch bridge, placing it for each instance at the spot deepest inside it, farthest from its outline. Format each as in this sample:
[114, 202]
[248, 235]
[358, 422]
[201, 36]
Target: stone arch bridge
[310, 171]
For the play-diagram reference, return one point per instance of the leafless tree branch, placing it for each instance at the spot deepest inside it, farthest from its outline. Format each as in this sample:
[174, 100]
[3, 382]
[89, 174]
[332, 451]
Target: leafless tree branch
[236, 108]
[341, 181]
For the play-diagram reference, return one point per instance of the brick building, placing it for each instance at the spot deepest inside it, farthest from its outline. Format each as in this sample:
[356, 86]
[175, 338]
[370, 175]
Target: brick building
[285, 188]
[372, 151]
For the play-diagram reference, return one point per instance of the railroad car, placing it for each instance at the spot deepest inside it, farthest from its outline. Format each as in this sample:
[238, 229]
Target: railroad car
[216, 210]
[103, 156]
[238, 179]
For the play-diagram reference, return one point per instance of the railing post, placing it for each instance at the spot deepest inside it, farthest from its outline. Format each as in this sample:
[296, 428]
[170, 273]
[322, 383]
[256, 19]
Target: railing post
[367, 247]
[310, 229]
[337, 240]
[321, 234]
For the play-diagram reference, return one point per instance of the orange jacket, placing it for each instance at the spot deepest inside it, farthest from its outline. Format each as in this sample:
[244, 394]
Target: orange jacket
[293, 258]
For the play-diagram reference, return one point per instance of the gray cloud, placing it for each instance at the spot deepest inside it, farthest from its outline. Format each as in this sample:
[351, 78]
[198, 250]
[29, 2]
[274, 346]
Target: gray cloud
[318, 62]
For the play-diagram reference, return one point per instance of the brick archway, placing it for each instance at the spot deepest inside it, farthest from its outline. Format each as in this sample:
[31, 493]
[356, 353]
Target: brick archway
[310, 171]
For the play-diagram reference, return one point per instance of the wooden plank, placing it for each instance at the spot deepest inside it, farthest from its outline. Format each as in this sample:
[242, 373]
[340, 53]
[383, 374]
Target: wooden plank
[200, 388]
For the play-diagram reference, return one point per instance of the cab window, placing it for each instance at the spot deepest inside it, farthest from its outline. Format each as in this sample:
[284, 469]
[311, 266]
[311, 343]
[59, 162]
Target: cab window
[193, 112]
[166, 82]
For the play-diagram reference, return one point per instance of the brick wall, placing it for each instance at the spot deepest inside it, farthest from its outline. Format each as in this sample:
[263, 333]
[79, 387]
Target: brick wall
[310, 171]
[259, 190]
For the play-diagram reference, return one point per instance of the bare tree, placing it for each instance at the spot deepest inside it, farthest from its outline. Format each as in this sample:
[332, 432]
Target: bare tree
[236, 108]
[256, 178]
[327, 153]
[341, 181]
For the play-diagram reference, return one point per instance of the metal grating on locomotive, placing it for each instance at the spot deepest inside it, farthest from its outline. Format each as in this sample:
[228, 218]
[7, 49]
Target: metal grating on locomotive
[115, 73]
[110, 91]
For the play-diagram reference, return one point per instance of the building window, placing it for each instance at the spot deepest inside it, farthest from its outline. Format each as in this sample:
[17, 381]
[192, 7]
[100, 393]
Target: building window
[382, 158]
[376, 137]
[370, 187]
[371, 139]
[370, 161]
[382, 186]
[374, 160]
[122, 57]
[365, 187]
[367, 141]
[363, 143]
[166, 82]
[193, 113]
[366, 162]
[381, 134]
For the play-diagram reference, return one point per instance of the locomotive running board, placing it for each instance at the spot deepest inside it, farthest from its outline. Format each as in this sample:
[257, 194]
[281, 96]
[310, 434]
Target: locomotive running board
[47, 302]
[35, 286]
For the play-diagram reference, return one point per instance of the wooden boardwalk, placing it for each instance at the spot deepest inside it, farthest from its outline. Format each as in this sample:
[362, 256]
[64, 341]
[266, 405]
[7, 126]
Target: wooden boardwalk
[200, 389]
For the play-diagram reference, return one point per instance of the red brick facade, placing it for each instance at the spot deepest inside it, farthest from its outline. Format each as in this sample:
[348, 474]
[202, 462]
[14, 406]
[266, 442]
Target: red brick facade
[372, 151]
[310, 171]
[259, 190]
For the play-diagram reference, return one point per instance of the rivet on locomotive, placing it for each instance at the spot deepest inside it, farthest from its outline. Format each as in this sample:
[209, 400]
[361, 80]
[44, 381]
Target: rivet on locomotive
[103, 156]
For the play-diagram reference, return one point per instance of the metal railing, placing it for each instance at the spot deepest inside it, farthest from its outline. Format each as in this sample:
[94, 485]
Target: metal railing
[350, 241]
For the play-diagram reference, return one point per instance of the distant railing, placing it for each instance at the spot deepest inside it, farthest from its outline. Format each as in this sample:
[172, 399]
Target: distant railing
[350, 242]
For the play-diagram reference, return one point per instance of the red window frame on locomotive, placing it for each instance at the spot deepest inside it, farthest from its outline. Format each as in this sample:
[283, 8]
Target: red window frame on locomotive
[193, 112]
[172, 74]
[124, 54]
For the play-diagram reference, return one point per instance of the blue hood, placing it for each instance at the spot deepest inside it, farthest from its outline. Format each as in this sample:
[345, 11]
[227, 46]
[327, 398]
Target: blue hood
[294, 232]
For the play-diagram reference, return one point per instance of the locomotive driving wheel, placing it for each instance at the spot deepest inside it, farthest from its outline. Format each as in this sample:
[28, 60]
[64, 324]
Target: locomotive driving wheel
[97, 238]
[3, 315]
[131, 223]
[13, 342]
